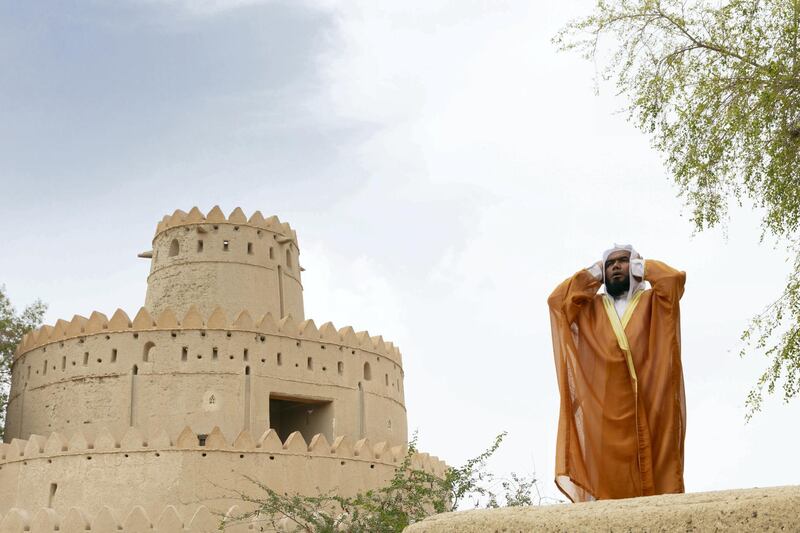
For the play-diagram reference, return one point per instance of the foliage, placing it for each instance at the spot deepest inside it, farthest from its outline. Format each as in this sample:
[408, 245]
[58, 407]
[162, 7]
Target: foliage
[409, 497]
[12, 327]
[716, 87]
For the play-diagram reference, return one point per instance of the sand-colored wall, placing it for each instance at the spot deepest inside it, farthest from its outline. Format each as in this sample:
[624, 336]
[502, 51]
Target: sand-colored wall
[161, 469]
[226, 262]
[768, 509]
[202, 372]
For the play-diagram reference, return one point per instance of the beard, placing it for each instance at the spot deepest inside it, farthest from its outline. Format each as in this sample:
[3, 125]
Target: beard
[617, 288]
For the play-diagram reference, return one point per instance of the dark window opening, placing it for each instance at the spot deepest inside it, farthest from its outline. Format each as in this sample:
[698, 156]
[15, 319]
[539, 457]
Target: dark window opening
[52, 496]
[146, 351]
[310, 363]
[85, 358]
[250, 248]
[199, 246]
[174, 248]
[201, 439]
[184, 353]
[271, 253]
[113, 355]
[225, 246]
[245, 355]
[309, 417]
[340, 367]
[214, 353]
[367, 372]
[279, 359]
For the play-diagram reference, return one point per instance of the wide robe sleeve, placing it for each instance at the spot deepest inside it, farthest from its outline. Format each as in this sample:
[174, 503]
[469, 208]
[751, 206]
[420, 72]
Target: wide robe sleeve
[566, 303]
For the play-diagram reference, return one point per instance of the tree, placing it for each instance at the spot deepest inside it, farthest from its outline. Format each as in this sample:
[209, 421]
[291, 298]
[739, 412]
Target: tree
[716, 86]
[12, 327]
[410, 496]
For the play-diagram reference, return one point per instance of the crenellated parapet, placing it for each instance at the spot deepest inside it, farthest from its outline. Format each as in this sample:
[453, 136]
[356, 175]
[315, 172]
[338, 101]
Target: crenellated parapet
[236, 218]
[208, 470]
[98, 323]
[208, 371]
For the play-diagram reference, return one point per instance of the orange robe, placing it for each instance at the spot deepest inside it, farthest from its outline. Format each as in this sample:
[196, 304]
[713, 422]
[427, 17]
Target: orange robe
[622, 421]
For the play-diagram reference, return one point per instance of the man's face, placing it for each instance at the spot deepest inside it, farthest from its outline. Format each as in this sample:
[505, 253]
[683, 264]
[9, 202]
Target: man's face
[617, 268]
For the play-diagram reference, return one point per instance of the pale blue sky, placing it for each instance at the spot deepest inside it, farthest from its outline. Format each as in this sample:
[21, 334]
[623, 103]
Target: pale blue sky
[444, 167]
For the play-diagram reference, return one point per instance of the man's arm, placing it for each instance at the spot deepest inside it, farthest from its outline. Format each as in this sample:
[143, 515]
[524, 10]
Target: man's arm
[666, 281]
[575, 292]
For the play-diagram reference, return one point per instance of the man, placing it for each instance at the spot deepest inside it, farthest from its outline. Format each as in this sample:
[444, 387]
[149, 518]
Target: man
[618, 359]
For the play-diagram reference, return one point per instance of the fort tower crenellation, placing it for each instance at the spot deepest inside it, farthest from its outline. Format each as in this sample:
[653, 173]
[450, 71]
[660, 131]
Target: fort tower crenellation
[219, 376]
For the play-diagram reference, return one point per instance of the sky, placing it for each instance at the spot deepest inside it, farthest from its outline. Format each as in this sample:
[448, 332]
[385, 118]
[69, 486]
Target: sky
[444, 166]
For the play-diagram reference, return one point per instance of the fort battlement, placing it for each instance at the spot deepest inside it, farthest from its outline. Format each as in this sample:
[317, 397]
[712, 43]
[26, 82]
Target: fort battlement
[212, 466]
[219, 377]
[236, 218]
[128, 372]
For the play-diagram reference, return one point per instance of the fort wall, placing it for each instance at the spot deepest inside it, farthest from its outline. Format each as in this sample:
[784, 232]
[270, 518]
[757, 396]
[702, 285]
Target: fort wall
[147, 471]
[205, 372]
[231, 262]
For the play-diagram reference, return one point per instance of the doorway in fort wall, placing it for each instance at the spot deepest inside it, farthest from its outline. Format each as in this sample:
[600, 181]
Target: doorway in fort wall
[309, 416]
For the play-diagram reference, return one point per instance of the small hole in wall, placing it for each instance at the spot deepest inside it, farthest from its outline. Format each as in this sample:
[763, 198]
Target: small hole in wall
[241, 456]
[321, 346]
[228, 334]
[216, 227]
[324, 369]
[88, 457]
[263, 360]
[203, 454]
[108, 337]
[135, 335]
[372, 466]
[126, 455]
[230, 357]
[298, 343]
[262, 338]
[173, 334]
[271, 457]
[202, 333]
[236, 228]
[342, 463]
[158, 454]
[199, 356]
[99, 360]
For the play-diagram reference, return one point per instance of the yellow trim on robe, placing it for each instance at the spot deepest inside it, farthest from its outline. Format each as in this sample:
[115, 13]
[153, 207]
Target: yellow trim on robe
[619, 330]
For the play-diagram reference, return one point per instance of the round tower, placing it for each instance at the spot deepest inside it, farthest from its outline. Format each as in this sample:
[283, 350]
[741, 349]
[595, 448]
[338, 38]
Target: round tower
[234, 263]
[170, 412]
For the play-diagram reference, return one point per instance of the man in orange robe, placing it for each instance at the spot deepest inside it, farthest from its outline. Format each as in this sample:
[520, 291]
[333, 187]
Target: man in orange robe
[622, 422]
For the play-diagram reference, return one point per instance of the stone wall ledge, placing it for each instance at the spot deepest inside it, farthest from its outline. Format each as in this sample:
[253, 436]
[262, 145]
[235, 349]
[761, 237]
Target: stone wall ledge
[757, 509]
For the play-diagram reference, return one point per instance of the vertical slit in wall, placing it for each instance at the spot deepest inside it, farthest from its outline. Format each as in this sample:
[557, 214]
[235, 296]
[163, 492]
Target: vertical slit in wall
[247, 398]
[134, 373]
[214, 353]
[280, 289]
[360, 411]
[53, 489]
[245, 355]
[113, 355]
[184, 353]
[44, 368]
[63, 363]
[85, 358]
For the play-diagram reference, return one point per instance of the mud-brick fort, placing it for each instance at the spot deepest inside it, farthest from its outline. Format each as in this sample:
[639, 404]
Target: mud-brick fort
[153, 422]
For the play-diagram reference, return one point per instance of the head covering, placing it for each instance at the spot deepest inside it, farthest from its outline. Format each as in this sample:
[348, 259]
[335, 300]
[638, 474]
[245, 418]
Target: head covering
[634, 285]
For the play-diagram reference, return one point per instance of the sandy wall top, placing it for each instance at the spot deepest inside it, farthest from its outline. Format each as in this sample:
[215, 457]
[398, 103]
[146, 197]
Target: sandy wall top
[98, 323]
[216, 216]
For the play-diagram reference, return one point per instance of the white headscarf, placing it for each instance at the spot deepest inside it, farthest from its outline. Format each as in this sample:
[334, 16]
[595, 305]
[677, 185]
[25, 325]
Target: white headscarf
[621, 302]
